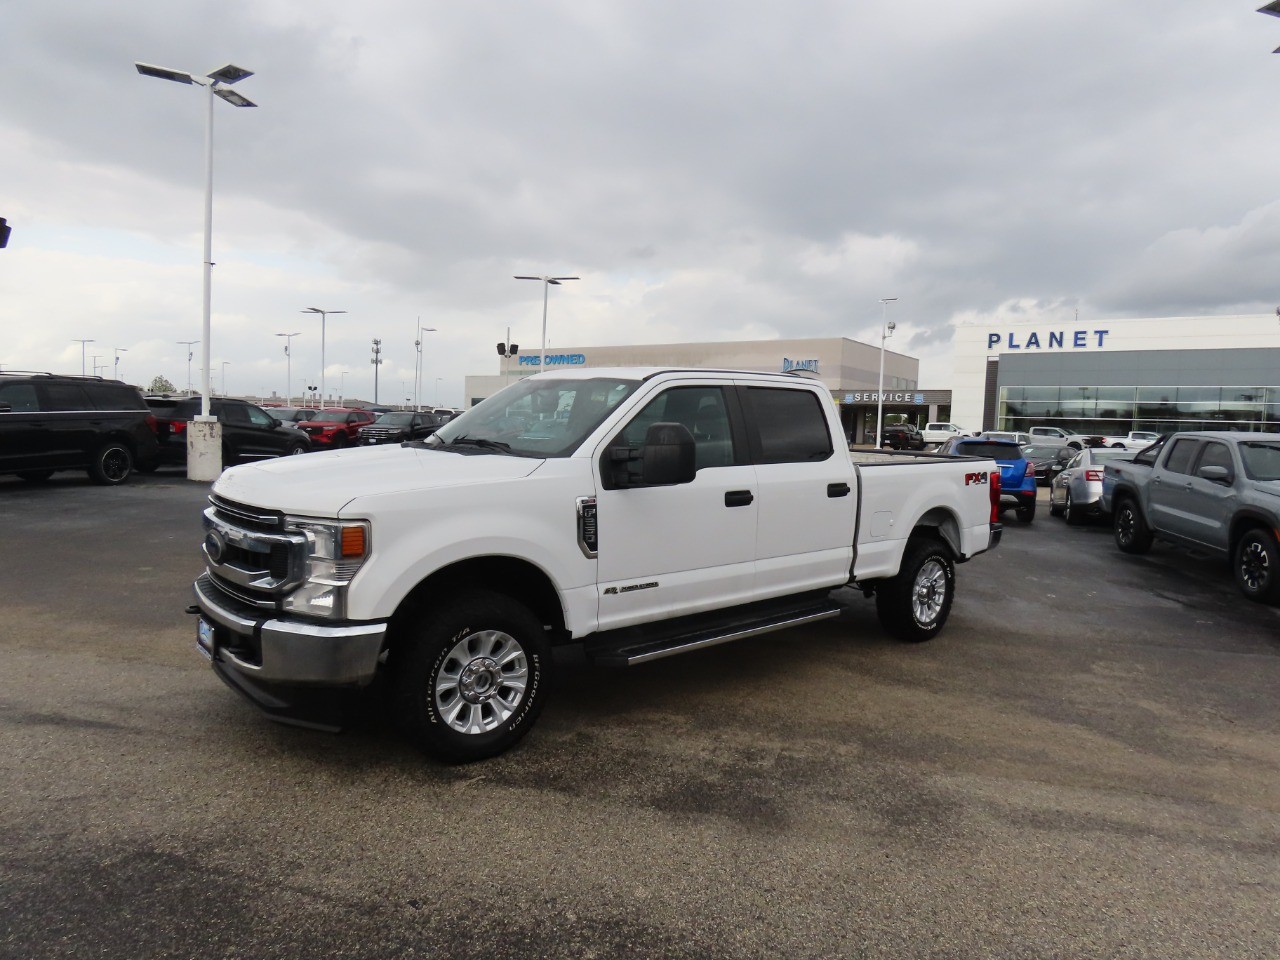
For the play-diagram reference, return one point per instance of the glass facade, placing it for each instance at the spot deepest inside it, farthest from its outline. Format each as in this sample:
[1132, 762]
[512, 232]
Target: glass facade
[1117, 410]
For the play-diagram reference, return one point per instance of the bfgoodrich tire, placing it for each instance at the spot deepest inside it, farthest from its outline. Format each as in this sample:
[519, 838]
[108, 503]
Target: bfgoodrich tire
[914, 605]
[1256, 563]
[469, 681]
[112, 464]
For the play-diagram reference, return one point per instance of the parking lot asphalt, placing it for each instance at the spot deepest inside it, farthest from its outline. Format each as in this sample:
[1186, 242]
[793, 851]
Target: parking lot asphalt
[1086, 763]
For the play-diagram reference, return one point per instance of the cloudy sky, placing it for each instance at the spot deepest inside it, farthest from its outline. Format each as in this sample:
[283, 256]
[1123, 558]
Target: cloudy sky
[711, 170]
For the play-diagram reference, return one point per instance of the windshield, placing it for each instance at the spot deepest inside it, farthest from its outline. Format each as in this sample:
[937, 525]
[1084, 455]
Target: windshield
[395, 420]
[535, 417]
[1261, 460]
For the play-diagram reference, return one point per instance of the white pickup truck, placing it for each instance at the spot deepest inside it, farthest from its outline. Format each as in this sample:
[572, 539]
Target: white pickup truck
[638, 512]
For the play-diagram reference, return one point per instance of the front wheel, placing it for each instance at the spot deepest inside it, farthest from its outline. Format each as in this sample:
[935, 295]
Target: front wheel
[1257, 566]
[112, 464]
[1130, 530]
[914, 605]
[470, 681]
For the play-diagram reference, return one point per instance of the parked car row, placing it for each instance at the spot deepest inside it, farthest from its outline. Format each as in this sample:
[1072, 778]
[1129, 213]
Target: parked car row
[51, 422]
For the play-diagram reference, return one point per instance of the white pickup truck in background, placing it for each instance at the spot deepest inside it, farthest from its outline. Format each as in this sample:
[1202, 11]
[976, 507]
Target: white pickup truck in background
[637, 512]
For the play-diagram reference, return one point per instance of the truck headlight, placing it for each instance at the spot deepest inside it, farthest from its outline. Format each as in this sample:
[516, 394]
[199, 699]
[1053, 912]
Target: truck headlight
[335, 553]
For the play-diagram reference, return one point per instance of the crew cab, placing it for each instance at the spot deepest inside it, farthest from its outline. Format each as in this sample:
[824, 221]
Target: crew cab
[638, 513]
[1215, 491]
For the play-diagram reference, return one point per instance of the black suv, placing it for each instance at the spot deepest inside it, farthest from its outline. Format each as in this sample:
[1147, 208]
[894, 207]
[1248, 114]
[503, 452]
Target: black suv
[903, 436]
[248, 431]
[52, 422]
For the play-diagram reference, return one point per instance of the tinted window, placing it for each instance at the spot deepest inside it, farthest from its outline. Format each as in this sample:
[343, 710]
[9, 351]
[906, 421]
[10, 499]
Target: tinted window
[19, 396]
[701, 409]
[990, 450]
[1180, 456]
[114, 396]
[791, 423]
[233, 413]
[64, 396]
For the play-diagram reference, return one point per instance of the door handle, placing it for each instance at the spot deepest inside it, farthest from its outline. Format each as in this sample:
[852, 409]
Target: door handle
[837, 490]
[738, 498]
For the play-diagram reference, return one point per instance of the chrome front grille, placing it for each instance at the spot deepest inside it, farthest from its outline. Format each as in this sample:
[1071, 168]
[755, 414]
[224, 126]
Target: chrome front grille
[249, 553]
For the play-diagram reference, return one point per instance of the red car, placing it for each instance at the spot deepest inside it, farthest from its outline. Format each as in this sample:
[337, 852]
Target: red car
[335, 427]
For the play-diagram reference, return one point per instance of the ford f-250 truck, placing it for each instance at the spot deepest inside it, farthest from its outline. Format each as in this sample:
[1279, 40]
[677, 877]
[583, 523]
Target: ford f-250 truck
[639, 512]
[1214, 491]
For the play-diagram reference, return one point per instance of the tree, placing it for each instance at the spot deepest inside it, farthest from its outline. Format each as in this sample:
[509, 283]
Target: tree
[161, 385]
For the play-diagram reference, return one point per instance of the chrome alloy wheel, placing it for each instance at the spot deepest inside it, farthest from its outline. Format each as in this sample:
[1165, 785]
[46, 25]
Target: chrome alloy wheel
[1255, 566]
[929, 591]
[481, 681]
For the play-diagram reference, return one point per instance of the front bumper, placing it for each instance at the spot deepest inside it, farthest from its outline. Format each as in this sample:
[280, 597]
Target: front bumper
[289, 651]
[286, 666]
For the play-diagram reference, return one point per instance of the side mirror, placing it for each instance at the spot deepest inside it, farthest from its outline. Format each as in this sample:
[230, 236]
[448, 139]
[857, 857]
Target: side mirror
[276, 423]
[1216, 474]
[669, 455]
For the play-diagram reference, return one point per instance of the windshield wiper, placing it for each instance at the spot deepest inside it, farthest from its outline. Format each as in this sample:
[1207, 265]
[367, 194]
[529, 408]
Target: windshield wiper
[480, 442]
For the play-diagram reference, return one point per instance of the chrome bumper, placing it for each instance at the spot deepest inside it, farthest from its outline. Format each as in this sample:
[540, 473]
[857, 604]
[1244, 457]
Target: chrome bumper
[293, 652]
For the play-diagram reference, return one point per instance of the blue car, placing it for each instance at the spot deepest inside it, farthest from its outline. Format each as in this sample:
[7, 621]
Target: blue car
[1017, 473]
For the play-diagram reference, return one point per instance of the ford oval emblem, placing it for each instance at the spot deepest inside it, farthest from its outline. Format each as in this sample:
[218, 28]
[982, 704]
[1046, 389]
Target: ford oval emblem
[215, 546]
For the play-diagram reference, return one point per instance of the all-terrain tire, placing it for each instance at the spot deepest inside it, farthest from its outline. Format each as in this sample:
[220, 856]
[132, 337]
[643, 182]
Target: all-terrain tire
[914, 605]
[469, 679]
[1130, 529]
[1256, 565]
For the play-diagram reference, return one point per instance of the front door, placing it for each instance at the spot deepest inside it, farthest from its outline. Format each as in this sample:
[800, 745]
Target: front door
[670, 551]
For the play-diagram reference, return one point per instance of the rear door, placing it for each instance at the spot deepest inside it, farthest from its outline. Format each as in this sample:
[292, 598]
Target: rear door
[806, 500]
[71, 433]
[1170, 497]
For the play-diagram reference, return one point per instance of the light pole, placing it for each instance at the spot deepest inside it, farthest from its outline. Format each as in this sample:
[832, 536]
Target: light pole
[546, 284]
[224, 376]
[116, 368]
[82, 343]
[188, 344]
[288, 359]
[377, 362]
[886, 331]
[342, 387]
[95, 357]
[204, 439]
[323, 315]
[417, 375]
[506, 351]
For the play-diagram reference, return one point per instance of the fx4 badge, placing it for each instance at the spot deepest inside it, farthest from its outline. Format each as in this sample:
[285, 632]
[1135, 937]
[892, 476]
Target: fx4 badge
[972, 478]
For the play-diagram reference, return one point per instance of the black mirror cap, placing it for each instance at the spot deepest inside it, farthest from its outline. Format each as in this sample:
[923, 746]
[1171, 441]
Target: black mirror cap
[669, 455]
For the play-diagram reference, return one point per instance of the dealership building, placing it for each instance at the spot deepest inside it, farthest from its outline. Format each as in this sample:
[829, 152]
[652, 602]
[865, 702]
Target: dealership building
[1113, 376]
[848, 368]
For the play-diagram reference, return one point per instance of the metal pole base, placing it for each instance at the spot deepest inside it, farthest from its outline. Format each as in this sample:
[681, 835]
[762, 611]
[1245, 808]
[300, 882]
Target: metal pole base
[204, 449]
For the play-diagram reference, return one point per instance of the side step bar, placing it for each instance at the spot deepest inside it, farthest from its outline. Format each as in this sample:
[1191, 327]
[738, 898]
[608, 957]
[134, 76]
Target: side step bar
[634, 645]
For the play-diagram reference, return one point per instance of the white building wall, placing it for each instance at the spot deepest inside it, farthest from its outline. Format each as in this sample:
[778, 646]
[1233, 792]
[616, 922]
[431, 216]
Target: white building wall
[975, 343]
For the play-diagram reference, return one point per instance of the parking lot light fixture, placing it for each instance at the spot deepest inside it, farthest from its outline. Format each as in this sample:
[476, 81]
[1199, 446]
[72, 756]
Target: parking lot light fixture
[288, 358]
[886, 331]
[547, 283]
[323, 316]
[188, 344]
[417, 374]
[82, 343]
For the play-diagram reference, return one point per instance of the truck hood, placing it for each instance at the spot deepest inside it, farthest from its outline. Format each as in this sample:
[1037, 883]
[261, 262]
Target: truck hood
[321, 484]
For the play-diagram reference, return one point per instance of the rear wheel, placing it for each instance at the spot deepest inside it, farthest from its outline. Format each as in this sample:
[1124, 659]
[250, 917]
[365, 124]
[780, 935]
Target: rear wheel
[1071, 511]
[1131, 533]
[471, 680]
[1257, 566]
[914, 605]
[1027, 509]
[112, 464]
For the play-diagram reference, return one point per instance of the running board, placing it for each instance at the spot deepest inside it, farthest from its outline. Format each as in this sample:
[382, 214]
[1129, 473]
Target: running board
[634, 645]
